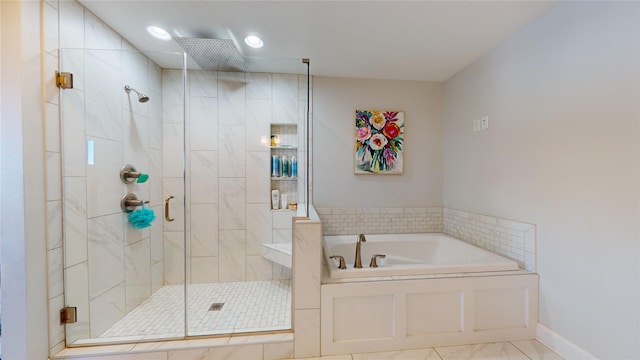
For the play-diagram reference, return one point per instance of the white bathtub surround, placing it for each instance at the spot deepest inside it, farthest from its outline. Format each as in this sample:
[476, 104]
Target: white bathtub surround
[513, 239]
[338, 221]
[411, 254]
[405, 314]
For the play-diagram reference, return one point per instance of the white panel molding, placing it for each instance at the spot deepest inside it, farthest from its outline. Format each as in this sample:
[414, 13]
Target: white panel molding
[343, 330]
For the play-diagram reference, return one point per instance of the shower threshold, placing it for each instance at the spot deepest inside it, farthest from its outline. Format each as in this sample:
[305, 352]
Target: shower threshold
[251, 306]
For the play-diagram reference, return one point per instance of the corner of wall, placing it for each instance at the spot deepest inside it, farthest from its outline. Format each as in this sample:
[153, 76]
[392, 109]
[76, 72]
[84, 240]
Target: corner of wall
[307, 269]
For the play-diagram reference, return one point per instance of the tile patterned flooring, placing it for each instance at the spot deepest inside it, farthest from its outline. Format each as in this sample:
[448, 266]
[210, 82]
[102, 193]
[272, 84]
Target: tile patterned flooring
[515, 350]
[260, 305]
[248, 306]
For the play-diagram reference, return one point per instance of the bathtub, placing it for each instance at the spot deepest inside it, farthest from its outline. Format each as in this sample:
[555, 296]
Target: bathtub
[411, 254]
[460, 295]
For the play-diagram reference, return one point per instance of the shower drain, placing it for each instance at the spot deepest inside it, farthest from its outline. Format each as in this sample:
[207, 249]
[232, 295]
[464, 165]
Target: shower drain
[216, 306]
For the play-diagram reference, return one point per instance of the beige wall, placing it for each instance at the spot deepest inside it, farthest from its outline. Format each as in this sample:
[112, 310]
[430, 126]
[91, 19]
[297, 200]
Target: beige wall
[561, 152]
[335, 185]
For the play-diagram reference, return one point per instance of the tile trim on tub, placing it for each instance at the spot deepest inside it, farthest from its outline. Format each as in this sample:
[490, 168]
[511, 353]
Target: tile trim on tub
[342, 221]
[513, 239]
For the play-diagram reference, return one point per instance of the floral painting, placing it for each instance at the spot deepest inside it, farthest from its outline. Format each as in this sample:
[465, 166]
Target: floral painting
[379, 141]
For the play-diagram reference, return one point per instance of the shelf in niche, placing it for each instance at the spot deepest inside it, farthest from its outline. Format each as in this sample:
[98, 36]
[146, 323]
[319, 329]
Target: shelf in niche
[280, 147]
[284, 178]
[282, 210]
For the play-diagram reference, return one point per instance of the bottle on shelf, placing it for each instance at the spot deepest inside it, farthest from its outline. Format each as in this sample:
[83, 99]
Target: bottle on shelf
[285, 166]
[294, 166]
[275, 199]
[276, 169]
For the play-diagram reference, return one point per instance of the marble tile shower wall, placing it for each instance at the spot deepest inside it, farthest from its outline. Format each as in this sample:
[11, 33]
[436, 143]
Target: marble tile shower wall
[228, 167]
[109, 267]
[343, 221]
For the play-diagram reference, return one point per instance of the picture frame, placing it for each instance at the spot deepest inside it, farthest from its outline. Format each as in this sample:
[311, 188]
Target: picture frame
[379, 142]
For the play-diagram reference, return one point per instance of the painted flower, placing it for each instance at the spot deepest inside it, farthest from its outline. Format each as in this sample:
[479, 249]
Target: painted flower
[363, 133]
[391, 130]
[378, 121]
[377, 141]
[390, 115]
[389, 156]
[362, 115]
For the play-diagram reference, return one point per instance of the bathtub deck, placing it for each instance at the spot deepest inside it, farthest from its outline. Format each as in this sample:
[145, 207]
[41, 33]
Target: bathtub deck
[327, 279]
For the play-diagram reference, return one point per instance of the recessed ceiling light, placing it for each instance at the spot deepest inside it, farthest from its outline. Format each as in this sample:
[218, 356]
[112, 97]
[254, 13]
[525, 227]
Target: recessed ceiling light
[254, 41]
[159, 33]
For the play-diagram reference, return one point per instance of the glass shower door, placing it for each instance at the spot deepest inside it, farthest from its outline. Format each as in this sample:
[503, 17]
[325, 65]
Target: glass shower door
[126, 282]
[240, 249]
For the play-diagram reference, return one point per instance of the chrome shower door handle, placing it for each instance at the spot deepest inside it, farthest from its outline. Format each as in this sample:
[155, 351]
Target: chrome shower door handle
[166, 209]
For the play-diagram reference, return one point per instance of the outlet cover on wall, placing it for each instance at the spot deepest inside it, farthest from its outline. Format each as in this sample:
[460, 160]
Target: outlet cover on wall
[484, 122]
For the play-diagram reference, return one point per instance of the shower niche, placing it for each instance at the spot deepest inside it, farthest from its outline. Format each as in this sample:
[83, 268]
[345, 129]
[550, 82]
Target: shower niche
[202, 137]
[284, 166]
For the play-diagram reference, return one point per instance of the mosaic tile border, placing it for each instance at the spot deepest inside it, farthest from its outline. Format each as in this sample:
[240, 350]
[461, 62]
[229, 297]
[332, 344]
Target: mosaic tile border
[344, 221]
[513, 239]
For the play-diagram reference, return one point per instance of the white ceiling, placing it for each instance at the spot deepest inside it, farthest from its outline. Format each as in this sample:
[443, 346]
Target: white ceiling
[405, 40]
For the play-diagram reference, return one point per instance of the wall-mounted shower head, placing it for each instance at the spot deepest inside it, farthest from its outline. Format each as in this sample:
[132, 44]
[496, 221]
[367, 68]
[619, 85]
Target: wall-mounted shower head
[141, 97]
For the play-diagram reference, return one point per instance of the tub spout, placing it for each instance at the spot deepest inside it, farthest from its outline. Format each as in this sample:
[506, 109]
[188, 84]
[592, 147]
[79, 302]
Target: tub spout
[358, 263]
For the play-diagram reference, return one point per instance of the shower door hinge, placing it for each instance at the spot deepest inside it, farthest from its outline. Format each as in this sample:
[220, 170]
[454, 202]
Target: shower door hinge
[64, 80]
[68, 315]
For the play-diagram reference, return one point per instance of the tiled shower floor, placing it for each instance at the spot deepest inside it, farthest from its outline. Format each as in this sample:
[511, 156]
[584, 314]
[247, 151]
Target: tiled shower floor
[248, 306]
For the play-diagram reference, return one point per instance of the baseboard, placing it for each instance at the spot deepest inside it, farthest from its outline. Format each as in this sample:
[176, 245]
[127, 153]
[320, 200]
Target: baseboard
[560, 345]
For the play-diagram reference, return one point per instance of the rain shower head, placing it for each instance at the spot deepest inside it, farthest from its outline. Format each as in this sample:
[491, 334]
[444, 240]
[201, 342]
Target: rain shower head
[141, 97]
[213, 54]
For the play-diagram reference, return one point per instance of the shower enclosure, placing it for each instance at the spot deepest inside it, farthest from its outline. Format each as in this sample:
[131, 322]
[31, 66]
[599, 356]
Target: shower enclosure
[194, 146]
